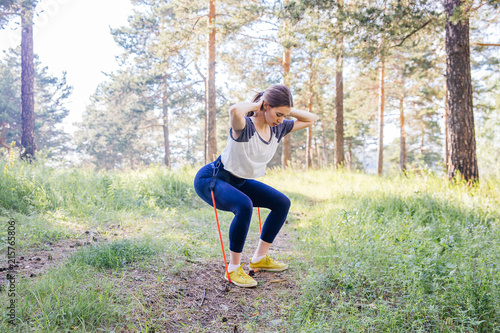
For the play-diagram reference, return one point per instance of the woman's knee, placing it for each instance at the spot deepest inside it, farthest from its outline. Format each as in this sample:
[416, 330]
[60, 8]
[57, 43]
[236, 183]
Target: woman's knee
[244, 208]
[286, 203]
[282, 203]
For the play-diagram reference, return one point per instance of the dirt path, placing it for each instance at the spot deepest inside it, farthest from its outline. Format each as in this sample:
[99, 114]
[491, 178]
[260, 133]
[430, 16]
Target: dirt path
[198, 299]
[34, 262]
[194, 298]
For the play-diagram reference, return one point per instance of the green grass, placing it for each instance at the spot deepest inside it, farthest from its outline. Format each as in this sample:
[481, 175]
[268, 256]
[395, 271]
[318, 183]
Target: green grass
[86, 194]
[369, 254]
[114, 255]
[74, 298]
[407, 253]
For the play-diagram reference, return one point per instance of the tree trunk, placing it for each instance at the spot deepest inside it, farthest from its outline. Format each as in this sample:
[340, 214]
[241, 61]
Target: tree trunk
[339, 108]
[205, 136]
[325, 151]
[166, 139]
[319, 162]
[402, 153]
[286, 153]
[211, 109]
[28, 141]
[446, 131]
[380, 161]
[422, 142]
[310, 109]
[460, 112]
[349, 154]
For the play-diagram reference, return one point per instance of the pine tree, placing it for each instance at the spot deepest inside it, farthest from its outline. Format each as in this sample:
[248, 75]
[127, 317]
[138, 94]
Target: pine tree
[50, 96]
[380, 27]
[157, 41]
[460, 117]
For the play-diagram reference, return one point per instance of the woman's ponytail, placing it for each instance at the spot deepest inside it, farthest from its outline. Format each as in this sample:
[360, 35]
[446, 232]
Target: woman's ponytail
[257, 97]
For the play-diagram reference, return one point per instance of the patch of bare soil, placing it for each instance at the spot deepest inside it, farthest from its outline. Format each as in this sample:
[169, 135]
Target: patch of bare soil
[35, 261]
[168, 297]
[199, 299]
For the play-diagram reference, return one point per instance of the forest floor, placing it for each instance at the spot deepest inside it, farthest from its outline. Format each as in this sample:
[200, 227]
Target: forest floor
[140, 252]
[176, 294]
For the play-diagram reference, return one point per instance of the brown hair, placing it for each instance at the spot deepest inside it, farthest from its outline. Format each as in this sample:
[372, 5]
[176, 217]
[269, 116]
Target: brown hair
[276, 95]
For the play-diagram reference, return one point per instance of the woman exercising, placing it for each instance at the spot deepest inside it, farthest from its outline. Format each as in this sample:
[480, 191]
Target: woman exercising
[256, 130]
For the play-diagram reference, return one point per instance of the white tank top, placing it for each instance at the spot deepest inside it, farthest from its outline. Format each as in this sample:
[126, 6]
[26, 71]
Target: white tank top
[248, 155]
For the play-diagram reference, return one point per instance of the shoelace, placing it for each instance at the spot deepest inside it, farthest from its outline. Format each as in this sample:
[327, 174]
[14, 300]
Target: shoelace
[241, 274]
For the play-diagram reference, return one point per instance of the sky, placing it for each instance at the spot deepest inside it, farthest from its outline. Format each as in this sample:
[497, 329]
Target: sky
[74, 36]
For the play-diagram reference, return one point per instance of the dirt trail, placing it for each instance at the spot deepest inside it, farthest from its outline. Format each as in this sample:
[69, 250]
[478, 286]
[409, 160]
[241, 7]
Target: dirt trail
[198, 299]
[195, 298]
[35, 261]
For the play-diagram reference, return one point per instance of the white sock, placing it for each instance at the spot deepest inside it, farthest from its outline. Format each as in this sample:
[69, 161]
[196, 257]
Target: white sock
[255, 259]
[232, 267]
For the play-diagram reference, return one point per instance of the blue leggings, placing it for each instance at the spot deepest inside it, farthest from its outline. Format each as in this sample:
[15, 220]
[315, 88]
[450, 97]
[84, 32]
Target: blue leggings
[239, 196]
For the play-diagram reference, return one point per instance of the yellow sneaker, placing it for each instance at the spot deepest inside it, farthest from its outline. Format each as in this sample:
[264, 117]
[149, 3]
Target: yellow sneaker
[240, 278]
[268, 264]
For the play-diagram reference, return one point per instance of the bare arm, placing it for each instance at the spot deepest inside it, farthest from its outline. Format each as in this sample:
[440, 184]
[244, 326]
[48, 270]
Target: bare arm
[237, 113]
[304, 119]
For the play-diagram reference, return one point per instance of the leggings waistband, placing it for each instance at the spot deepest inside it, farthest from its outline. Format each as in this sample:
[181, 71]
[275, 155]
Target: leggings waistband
[224, 175]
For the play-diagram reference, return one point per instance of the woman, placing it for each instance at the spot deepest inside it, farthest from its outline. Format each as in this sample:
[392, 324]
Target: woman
[256, 130]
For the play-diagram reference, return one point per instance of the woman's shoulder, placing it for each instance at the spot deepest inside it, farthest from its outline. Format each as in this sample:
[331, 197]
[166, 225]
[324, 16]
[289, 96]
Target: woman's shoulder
[246, 133]
[283, 129]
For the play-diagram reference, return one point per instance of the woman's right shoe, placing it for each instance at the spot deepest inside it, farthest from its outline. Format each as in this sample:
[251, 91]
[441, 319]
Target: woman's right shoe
[268, 264]
[240, 278]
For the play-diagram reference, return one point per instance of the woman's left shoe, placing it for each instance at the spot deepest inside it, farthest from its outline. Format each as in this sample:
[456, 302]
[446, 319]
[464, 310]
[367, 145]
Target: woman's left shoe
[240, 278]
[267, 264]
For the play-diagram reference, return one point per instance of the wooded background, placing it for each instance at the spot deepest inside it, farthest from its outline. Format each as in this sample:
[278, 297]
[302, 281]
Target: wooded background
[426, 70]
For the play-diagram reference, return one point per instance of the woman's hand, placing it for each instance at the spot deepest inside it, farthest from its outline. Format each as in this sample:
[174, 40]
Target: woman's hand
[257, 107]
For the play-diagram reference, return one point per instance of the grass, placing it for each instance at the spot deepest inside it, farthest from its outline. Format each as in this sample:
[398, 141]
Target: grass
[73, 298]
[407, 253]
[113, 255]
[369, 254]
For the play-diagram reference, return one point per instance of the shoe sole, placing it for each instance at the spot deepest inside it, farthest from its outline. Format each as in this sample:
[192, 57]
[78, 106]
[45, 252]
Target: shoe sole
[268, 269]
[241, 284]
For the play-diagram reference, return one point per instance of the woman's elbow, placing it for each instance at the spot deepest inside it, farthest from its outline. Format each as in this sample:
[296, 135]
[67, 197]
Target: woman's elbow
[314, 119]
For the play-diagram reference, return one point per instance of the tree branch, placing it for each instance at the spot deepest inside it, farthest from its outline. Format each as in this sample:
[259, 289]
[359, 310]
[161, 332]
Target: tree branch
[199, 72]
[485, 44]
[412, 33]
[259, 38]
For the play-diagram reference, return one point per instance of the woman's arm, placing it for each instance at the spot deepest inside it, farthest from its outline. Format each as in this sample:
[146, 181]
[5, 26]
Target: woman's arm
[237, 113]
[304, 119]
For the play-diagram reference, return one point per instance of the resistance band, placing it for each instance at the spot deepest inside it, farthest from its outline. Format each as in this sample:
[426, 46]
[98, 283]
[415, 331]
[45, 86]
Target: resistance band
[220, 237]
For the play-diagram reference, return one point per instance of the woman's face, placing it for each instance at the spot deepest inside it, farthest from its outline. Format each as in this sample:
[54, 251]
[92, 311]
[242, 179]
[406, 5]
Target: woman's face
[275, 116]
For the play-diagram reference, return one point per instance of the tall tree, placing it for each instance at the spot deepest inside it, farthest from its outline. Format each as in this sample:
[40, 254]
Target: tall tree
[460, 117]
[50, 96]
[286, 153]
[382, 27]
[381, 108]
[24, 9]
[158, 42]
[114, 132]
[210, 93]
[339, 105]
[339, 91]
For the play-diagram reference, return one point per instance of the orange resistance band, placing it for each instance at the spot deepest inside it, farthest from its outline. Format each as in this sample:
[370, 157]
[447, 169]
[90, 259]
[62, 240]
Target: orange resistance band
[260, 224]
[220, 237]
